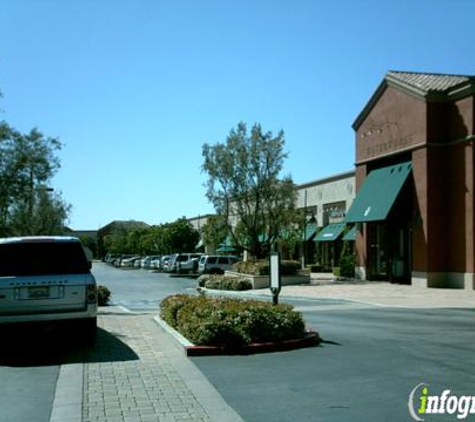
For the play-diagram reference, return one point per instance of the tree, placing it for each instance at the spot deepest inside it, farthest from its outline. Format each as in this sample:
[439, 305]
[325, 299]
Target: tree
[244, 187]
[180, 236]
[215, 231]
[27, 164]
[138, 238]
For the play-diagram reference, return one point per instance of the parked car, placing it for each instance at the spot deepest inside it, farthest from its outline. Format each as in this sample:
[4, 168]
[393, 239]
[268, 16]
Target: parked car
[216, 264]
[129, 261]
[184, 262]
[45, 279]
[110, 258]
[147, 261]
[162, 263]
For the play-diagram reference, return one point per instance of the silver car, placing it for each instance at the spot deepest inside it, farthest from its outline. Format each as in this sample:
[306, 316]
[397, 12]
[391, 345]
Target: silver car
[45, 279]
[216, 264]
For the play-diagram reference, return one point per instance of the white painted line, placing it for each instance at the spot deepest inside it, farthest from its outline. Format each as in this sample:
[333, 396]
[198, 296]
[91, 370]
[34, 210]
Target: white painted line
[126, 310]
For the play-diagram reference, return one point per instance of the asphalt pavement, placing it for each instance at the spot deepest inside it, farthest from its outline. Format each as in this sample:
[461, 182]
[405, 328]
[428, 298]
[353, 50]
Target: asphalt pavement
[365, 369]
[375, 350]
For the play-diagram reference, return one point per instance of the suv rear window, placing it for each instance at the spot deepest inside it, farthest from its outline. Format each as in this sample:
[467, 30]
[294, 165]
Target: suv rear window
[27, 259]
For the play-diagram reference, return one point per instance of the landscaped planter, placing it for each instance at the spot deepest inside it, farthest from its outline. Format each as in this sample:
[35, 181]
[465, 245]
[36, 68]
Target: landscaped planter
[262, 281]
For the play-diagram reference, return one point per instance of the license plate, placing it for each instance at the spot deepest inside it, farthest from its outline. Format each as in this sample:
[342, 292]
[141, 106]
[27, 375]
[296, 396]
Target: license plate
[38, 292]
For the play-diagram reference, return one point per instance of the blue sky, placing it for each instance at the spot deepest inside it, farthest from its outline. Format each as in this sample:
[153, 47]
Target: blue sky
[133, 88]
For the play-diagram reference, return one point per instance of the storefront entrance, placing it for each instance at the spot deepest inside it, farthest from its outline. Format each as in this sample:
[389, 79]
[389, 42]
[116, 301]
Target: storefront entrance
[385, 205]
[389, 254]
[377, 252]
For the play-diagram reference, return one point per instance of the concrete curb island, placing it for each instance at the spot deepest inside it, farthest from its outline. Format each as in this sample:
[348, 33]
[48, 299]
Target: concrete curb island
[311, 339]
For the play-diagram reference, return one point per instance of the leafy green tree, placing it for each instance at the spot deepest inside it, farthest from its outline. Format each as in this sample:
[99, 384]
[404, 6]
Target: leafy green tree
[215, 231]
[149, 241]
[245, 186]
[116, 241]
[44, 213]
[91, 243]
[27, 164]
[180, 236]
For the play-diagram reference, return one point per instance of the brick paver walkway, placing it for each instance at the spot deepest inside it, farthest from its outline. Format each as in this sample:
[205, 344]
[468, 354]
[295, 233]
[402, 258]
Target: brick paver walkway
[128, 377]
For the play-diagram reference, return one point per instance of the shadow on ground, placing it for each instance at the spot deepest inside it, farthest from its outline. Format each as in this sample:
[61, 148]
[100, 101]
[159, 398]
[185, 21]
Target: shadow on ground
[51, 347]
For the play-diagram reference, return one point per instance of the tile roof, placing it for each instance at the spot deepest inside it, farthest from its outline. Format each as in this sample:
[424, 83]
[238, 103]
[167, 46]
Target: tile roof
[429, 82]
[425, 86]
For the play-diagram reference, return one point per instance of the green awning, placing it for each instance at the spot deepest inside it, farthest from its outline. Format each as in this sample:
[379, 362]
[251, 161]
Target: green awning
[310, 232]
[225, 248]
[330, 233]
[351, 235]
[379, 192]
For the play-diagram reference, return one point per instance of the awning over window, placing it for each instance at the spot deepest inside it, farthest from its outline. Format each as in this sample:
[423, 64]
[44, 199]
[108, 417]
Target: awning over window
[351, 235]
[377, 195]
[225, 248]
[310, 232]
[330, 232]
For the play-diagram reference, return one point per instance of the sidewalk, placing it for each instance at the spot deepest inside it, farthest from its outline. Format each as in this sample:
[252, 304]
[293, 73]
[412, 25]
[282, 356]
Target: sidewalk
[137, 373]
[379, 294]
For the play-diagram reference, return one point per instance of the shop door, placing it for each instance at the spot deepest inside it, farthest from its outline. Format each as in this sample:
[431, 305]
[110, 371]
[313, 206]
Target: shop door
[377, 252]
[400, 255]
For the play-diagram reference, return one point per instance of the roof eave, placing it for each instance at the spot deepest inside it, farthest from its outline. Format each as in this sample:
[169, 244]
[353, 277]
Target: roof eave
[370, 104]
[460, 91]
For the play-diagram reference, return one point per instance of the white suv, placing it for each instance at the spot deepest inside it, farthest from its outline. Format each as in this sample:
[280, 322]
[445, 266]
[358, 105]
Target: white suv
[47, 279]
[184, 263]
[216, 264]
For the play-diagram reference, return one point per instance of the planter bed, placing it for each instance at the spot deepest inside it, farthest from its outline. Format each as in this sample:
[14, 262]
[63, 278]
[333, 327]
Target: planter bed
[310, 339]
[262, 281]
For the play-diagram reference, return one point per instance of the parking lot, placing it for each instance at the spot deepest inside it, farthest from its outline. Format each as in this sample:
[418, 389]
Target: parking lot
[364, 371]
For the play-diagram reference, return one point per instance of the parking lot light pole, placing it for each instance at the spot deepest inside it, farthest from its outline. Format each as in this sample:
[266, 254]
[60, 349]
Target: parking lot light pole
[275, 282]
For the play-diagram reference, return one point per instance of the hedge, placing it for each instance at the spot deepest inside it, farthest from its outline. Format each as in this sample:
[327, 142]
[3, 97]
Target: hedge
[103, 295]
[231, 323]
[221, 282]
[261, 267]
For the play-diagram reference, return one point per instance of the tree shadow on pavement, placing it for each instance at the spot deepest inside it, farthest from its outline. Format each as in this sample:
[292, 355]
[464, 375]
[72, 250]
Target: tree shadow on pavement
[32, 347]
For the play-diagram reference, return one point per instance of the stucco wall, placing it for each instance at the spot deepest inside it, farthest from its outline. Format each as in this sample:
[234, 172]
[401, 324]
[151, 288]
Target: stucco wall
[327, 191]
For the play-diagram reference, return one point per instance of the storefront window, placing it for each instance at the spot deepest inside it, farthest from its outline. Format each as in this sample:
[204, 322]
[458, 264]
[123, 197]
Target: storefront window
[334, 212]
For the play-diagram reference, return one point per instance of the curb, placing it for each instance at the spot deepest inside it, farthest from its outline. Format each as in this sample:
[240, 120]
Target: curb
[312, 338]
[67, 402]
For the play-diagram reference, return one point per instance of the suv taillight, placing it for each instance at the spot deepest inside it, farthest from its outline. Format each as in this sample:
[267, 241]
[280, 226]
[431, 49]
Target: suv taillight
[91, 294]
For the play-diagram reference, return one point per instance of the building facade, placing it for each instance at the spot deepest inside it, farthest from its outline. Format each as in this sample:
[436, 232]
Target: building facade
[414, 207]
[325, 203]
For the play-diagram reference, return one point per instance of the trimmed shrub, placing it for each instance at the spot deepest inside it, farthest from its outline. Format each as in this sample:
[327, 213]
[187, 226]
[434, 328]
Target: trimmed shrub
[316, 268]
[103, 295]
[231, 322]
[220, 282]
[202, 279]
[261, 267]
[170, 306]
[347, 266]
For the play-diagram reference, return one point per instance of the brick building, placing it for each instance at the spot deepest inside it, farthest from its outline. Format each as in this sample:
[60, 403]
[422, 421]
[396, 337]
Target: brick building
[414, 206]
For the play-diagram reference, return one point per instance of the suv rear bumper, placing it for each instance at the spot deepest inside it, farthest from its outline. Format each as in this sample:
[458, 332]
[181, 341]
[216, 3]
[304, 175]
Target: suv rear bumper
[89, 312]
